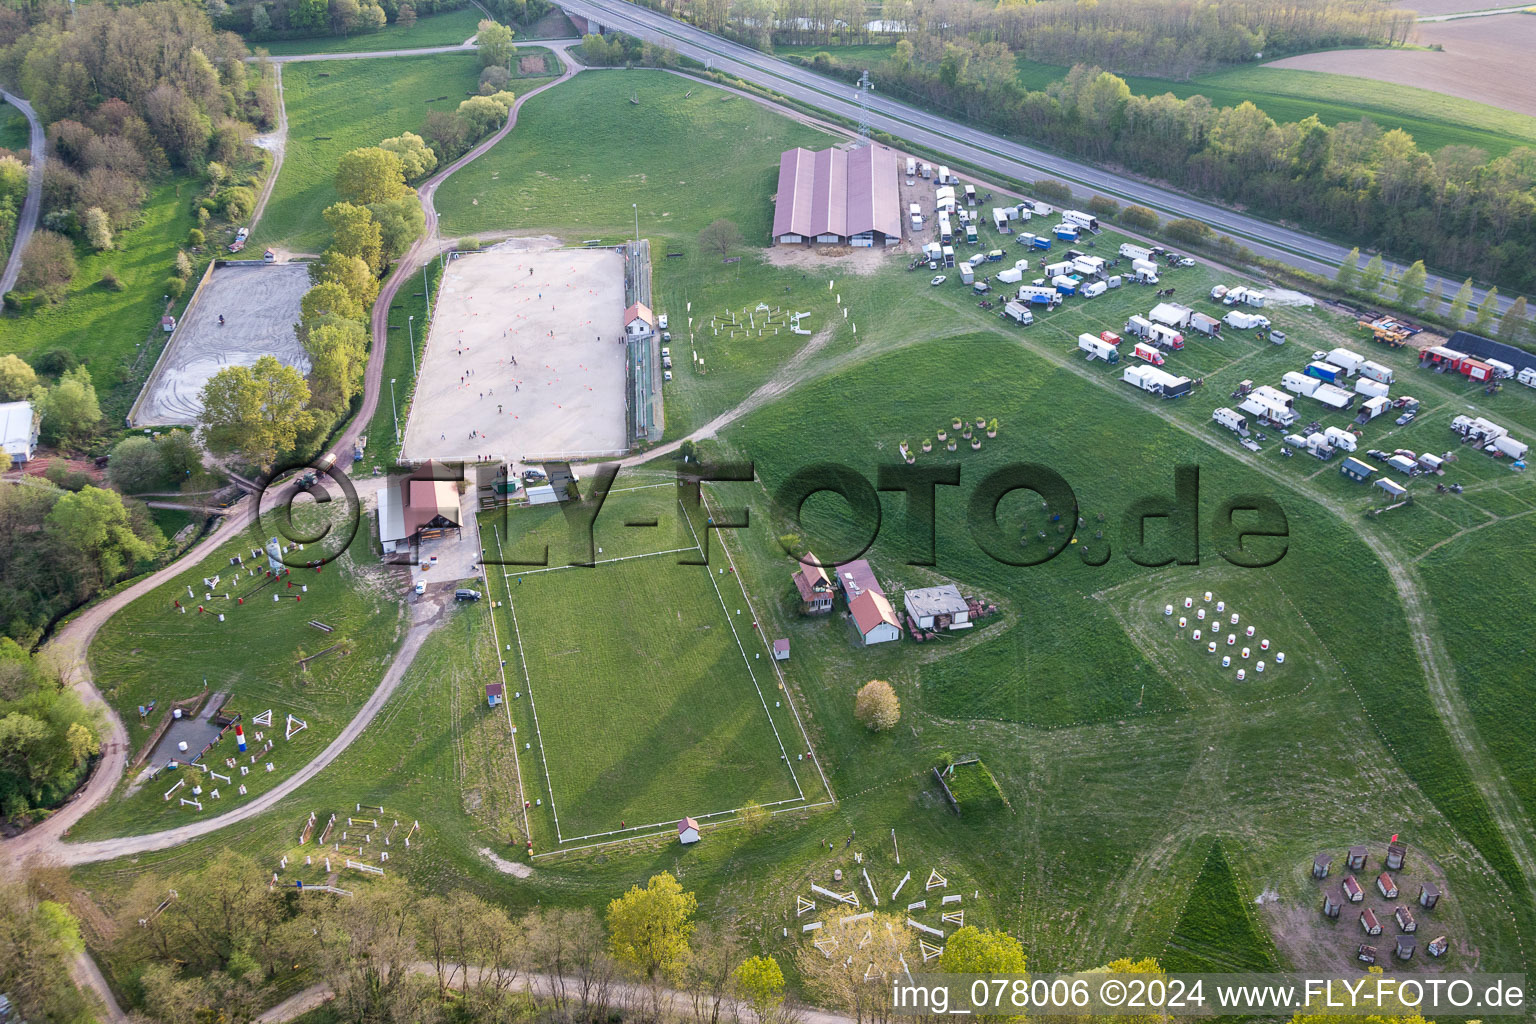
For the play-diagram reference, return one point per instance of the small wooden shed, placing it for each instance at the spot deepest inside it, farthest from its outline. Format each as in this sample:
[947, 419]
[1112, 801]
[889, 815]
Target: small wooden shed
[1386, 886]
[1405, 921]
[1406, 944]
[1429, 895]
[1395, 854]
[687, 831]
[1353, 890]
[1333, 902]
[781, 649]
[1437, 946]
[1366, 954]
[1320, 865]
[1356, 859]
[1369, 923]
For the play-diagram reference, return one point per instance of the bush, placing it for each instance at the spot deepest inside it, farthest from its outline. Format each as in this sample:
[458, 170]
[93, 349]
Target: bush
[1139, 217]
[1103, 206]
[174, 286]
[60, 475]
[493, 79]
[236, 203]
[55, 362]
[1055, 191]
[110, 281]
[1190, 232]
[195, 238]
[877, 707]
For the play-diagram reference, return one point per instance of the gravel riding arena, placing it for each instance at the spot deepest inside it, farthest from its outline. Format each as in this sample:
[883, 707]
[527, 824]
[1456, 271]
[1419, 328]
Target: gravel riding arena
[260, 305]
[525, 357]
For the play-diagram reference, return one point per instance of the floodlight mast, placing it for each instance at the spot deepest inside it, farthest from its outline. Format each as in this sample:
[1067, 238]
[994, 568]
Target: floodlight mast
[865, 88]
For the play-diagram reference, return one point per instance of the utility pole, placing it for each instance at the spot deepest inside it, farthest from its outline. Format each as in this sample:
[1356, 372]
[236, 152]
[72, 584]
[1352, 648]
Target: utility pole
[410, 326]
[425, 286]
[394, 410]
[637, 225]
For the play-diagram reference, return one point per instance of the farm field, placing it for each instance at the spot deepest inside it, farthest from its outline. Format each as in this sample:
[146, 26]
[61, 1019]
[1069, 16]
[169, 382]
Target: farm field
[447, 29]
[648, 705]
[152, 652]
[325, 121]
[1483, 59]
[700, 154]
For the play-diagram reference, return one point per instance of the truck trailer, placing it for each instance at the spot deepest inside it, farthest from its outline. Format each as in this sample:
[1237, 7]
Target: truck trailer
[1350, 361]
[1233, 421]
[1098, 349]
[1370, 388]
[1340, 438]
[1334, 397]
[1148, 353]
[1300, 383]
[1375, 371]
[1018, 313]
[1081, 219]
[1166, 337]
[1326, 372]
[1135, 252]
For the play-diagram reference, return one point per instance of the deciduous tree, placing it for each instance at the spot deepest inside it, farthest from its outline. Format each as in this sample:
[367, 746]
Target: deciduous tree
[1410, 287]
[416, 157]
[494, 42]
[720, 236]
[256, 410]
[370, 175]
[93, 526]
[356, 233]
[1460, 302]
[648, 928]
[877, 707]
[17, 379]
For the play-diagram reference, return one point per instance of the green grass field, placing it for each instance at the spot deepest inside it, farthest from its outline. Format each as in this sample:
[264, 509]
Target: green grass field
[1217, 933]
[686, 153]
[325, 121]
[647, 708]
[117, 334]
[14, 133]
[152, 652]
[447, 29]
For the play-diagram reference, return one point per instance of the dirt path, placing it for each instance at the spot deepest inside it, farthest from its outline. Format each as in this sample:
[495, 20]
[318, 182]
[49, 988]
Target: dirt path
[540, 984]
[275, 142]
[32, 205]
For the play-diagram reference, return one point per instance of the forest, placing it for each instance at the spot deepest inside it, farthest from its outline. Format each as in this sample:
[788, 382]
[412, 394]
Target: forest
[263, 20]
[1456, 209]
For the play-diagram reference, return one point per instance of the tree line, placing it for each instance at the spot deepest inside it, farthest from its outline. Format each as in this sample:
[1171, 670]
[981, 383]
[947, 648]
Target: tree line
[1149, 37]
[1459, 210]
[263, 20]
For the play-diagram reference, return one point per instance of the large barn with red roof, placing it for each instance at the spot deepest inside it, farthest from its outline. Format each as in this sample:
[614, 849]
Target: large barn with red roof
[837, 197]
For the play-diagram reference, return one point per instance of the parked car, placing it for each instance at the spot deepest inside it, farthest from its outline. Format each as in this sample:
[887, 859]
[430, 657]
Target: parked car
[661, 321]
[666, 375]
[1406, 418]
[666, 353]
[938, 280]
[1186, 262]
[465, 594]
[421, 586]
[666, 336]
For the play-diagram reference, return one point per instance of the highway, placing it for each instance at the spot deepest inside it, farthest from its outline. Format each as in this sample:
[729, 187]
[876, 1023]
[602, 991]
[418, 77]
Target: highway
[969, 145]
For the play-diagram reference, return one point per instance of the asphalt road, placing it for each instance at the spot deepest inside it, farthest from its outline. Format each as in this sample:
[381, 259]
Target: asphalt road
[30, 207]
[973, 146]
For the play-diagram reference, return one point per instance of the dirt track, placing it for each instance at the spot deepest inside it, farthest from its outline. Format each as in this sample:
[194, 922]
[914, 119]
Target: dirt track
[1485, 59]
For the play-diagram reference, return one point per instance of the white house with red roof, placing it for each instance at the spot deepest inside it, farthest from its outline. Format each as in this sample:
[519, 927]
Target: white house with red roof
[869, 609]
[639, 321]
[687, 831]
